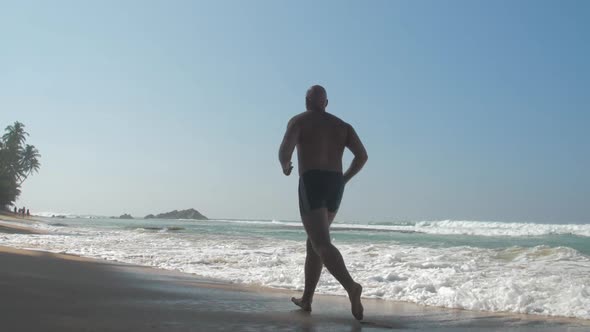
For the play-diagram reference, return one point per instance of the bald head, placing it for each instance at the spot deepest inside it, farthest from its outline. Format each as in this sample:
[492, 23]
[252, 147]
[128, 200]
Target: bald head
[316, 98]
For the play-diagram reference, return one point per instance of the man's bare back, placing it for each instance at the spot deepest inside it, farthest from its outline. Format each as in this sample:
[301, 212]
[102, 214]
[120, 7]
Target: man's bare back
[321, 142]
[320, 139]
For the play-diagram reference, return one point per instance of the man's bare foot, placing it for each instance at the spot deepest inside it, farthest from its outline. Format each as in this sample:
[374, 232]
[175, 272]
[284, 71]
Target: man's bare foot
[355, 301]
[305, 305]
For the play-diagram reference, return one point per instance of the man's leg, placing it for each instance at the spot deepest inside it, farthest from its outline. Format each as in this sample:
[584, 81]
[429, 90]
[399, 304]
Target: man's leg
[317, 226]
[313, 271]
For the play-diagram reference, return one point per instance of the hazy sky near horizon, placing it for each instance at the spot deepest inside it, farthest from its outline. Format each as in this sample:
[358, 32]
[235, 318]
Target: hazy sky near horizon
[471, 110]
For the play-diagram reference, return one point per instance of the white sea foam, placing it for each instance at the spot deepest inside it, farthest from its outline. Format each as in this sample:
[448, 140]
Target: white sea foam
[50, 214]
[480, 228]
[540, 280]
[455, 227]
[494, 228]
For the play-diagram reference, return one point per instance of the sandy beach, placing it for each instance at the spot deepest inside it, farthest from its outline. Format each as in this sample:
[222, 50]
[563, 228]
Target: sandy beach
[52, 292]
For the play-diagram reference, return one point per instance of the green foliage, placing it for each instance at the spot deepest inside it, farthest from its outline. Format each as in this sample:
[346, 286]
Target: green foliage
[18, 161]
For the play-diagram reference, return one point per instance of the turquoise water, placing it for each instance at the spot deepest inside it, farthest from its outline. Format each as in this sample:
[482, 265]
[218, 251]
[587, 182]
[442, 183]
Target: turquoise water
[292, 230]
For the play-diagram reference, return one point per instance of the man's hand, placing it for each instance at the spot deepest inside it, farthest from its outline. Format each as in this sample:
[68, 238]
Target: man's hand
[346, 179]
[355, 145]
[288, 168]
[288, 145]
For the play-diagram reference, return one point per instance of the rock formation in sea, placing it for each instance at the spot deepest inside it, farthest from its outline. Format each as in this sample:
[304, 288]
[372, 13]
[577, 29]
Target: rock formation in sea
[183, 214]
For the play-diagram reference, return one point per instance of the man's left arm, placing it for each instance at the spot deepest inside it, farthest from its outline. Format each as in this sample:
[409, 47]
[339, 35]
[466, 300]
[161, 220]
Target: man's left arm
[288, 145]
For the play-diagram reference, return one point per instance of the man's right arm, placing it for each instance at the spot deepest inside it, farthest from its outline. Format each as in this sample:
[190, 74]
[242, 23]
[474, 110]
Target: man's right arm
[354, 144]
[288, 145]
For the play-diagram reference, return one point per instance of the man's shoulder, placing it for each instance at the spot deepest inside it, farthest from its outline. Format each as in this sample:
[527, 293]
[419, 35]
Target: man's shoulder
[338, 121]
[296, 119]
[308, 117]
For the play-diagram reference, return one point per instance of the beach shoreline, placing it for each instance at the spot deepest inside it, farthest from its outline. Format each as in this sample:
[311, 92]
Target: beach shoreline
[11, 223]
[50, 284]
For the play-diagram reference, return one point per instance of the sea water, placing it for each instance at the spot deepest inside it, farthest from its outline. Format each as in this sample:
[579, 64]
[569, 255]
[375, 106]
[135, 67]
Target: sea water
[493, 266]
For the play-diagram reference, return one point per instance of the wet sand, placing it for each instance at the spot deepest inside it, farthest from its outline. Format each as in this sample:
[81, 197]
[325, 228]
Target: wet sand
[9, 223]
[41, 291]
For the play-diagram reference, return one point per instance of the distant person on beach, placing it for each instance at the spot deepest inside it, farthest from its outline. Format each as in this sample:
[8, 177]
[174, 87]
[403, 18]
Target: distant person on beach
[320, 138]
[15, 210]
[28, 213]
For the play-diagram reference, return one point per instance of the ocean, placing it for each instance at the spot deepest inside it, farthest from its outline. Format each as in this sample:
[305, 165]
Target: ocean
[528, 268]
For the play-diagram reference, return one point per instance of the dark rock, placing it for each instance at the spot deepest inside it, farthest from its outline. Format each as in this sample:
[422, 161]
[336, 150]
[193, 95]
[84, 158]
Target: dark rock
[183, 214]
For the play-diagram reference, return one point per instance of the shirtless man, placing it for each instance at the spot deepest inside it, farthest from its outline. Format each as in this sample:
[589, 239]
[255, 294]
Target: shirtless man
[320, 138]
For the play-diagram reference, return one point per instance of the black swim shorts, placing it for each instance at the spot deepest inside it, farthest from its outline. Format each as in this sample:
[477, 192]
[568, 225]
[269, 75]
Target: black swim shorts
[319, 189]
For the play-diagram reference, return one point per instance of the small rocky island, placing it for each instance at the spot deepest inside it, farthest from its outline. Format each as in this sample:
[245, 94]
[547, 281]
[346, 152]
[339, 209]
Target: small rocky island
[183, 214]
[125, 216]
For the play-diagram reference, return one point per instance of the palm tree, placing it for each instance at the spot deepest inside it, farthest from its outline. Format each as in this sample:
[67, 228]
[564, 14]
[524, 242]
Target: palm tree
[17, 162]
[13, 140]
[3, 159]
[29, 163]
[15, 136]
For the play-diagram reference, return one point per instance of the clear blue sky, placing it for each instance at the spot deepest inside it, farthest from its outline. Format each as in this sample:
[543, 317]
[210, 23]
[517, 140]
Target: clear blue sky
[473, 110]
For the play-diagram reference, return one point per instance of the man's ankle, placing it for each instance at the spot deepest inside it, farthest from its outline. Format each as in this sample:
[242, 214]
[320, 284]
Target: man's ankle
[352, 287]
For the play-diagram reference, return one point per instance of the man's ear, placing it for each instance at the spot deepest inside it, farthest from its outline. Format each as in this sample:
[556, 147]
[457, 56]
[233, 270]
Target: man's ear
[326, 103]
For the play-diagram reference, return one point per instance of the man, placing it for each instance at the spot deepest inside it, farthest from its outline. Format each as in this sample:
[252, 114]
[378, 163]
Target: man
[320, 138]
